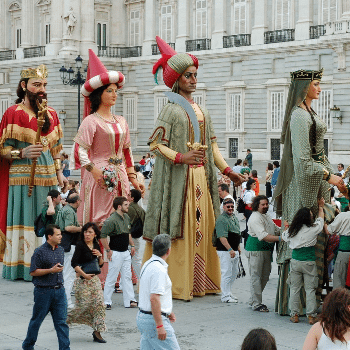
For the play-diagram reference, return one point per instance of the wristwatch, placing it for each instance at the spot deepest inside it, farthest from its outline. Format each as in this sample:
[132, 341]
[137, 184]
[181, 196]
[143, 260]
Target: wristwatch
[108, 250]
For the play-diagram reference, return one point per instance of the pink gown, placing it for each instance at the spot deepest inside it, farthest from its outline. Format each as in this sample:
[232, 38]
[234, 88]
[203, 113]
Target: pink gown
[96, 142]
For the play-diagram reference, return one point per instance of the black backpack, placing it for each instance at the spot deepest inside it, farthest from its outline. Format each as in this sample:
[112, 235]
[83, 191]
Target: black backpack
[240, 205]
[39, 226]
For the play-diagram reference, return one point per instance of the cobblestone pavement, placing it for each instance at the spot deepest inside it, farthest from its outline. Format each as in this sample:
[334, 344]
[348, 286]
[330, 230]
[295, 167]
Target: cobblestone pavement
[202, 324]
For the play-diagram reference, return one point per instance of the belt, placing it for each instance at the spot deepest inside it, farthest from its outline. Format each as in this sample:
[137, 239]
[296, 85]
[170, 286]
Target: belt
[58, 286]
[115, 160]
[150, 313]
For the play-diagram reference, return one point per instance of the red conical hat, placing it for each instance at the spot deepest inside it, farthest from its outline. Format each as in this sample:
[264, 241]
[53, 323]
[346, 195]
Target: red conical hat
[98, 75]
[178, 63]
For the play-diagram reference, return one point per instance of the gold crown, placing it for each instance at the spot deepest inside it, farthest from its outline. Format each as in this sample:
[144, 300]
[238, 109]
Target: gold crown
[39, 72]
[307, 75]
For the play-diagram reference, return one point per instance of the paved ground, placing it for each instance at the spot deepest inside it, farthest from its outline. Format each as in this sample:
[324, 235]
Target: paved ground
[202, 324]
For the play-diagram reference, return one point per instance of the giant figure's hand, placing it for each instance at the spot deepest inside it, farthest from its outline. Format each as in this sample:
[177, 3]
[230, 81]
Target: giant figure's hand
[138, 186]
[61, 179]
[32, 151]
[339, 182]
[237, 178]
[194, 157]
[98, 177]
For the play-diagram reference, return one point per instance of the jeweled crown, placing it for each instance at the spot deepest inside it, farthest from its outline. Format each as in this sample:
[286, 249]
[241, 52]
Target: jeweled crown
[39, 72]
[307, 74]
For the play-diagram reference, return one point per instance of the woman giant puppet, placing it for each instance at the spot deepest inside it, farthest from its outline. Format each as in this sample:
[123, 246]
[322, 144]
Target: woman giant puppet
[306, 173]
[184, 200]
[103, 140]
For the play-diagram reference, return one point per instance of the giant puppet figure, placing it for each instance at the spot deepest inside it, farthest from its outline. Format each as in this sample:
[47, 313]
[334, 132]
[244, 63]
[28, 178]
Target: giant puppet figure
[19, 149]
[103, 140]
[184, 200]
[305, 174]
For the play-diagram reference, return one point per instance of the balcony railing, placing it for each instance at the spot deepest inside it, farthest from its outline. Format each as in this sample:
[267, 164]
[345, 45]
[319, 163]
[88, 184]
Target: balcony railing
[198, 44]
[317, 31]
[7, 55]
[155, 48]
[278, 36]
[236, 40]
[122, 52]
[339, 27]
[36, 51]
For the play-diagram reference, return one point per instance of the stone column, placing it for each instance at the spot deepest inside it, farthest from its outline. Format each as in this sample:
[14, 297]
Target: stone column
[27, 23]
[260, 23]
[119, 22]
[345, 10]
[53, 48]
[183, 19]
[305, 20]
[219, 24]
[87, 27]
[149, 28]
[3, 28]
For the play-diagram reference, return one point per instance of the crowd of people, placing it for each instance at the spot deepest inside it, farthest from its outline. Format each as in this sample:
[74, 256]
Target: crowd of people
[193, 245]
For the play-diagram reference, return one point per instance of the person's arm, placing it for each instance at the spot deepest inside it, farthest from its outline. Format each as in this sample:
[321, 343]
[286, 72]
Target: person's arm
[42, 272]
[132, 244]
[107, 229]
[262, 235]
[68, 223]
[313, 337]
[225, 243]
[51, 209]
[156, 312]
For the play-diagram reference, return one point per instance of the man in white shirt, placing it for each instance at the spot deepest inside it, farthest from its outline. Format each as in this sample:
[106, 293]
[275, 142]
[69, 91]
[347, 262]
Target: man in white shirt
[155, 300]
[262, 234]
[224, 194]
[341, 227]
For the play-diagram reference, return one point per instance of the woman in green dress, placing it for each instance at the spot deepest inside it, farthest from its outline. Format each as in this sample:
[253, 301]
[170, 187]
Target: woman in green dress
[306, 174]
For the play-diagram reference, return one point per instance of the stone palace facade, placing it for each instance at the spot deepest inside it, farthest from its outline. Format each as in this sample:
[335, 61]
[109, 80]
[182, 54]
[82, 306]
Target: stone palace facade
[246, 49]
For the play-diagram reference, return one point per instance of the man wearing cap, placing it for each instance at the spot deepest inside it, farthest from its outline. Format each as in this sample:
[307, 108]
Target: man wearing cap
[227, 247]
[18, 148]
[184, 195]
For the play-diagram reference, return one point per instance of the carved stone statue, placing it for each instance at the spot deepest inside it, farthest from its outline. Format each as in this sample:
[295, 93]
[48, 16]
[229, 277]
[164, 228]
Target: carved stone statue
[71, 21]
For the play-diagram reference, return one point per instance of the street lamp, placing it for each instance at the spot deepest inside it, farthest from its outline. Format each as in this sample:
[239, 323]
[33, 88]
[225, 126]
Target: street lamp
[68, 78]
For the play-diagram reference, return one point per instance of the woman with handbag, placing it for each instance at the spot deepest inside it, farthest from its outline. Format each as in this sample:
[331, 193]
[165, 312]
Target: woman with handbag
[89, 303]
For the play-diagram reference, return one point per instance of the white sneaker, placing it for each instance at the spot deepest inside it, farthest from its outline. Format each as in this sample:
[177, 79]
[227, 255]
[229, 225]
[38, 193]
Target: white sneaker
[231, 300]
[234, 297]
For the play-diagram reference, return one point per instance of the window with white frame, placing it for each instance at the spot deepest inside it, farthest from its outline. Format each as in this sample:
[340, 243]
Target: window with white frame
[198, 98]
[101, 35]
[277, 110]
[47, 33]
[130, 112]
[4, 104]
[201, 19]
[166, 23]
[283, 9]
[240, 17]
[329, 11]
[161, 101]
[134, 28]
[322, 107]
[234, 117]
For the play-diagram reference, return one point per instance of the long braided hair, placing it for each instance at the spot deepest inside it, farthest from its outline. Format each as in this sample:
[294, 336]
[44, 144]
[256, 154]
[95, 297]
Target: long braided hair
[312, 129]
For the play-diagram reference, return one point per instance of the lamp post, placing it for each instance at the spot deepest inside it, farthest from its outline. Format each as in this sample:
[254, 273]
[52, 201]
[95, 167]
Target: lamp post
[68, 78]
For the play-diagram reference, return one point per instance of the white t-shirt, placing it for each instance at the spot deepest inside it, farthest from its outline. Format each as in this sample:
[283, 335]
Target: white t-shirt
[154, 279]
[325, 343]
[148, 166]
[248, 196]
[306, 237]
[237, 168]
[341, 224]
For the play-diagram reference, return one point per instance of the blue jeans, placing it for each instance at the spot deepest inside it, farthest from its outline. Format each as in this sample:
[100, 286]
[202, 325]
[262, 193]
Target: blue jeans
[149, 337]
[48, 300]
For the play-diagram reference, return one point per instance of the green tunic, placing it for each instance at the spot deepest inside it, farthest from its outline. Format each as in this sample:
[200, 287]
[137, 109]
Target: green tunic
[170, 181]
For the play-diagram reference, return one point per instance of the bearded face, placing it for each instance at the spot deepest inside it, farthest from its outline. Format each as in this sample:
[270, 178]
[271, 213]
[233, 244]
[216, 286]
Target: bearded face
[33, 97]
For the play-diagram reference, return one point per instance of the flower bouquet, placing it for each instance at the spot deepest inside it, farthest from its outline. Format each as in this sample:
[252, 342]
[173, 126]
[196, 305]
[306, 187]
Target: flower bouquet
[110, 178]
